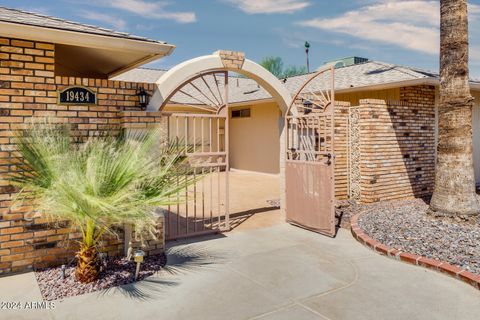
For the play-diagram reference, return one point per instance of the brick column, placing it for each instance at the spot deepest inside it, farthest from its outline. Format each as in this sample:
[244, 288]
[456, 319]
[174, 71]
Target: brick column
[28, 89]
[397, 150]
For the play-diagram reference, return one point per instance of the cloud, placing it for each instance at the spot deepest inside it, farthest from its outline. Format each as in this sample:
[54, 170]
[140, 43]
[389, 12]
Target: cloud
[410, 24]
[270, 6]
[39, 10]
[113, 21]
[152, 10]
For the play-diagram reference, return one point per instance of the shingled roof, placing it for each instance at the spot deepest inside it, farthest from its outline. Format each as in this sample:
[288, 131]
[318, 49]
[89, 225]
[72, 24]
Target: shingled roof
[366, 74]
[39, 20]
[362, 75]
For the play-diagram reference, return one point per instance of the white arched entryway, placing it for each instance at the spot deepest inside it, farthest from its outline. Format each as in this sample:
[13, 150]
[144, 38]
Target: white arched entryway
[182, 73]
[306, 159]
[176, 77]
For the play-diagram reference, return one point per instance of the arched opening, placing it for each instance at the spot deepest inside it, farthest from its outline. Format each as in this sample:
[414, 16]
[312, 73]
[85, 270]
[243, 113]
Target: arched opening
[242, 141]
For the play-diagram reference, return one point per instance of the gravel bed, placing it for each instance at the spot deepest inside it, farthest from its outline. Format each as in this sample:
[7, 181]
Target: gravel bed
[406, 226]
[116, 272]
[344, 211]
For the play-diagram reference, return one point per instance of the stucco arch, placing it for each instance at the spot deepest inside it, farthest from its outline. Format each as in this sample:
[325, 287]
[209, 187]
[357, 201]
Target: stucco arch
[235, 62]
[218, 61]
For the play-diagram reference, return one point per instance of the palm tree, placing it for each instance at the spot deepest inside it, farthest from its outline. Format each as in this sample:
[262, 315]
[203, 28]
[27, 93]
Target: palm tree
[98, 184]
[454, 192]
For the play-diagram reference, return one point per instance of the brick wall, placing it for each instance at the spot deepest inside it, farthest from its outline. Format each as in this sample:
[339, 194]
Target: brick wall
[396, 149]
[419, 95]
[28, 89]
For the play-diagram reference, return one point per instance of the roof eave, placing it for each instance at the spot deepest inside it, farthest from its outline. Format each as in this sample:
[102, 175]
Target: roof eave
[139, 63]
[391, 85]
[152, 50]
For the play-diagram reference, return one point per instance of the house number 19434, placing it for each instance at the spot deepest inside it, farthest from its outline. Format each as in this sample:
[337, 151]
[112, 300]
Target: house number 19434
[76, 95]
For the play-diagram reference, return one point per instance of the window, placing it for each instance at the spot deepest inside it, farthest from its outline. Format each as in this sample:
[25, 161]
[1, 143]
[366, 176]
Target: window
[241, 113]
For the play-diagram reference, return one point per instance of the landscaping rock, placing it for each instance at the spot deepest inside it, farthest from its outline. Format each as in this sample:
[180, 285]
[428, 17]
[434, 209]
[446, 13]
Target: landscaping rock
[406, 226]
[116, 272]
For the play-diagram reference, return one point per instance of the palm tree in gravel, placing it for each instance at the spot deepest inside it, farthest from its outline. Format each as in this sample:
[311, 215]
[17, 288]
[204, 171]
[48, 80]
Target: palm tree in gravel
[98, 184]
[454, 192]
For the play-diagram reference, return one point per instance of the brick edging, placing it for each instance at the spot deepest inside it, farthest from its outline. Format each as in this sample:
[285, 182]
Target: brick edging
[440, 266]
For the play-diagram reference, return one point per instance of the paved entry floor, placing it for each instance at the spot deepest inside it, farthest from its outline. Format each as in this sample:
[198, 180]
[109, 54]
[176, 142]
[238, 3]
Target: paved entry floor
[281, 272]
[254, 200]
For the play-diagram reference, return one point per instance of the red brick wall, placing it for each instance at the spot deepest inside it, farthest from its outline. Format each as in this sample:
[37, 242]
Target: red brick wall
[397, 150]
[28, 89]
[419, 95]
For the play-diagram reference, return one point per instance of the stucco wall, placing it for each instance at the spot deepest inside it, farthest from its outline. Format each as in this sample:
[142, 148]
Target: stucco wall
[254, 141]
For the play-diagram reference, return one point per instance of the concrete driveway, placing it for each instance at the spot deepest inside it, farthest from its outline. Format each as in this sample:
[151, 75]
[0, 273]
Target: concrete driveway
[281, 272]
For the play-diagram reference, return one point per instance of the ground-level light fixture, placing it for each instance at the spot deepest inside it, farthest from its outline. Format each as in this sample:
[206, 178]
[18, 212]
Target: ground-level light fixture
[138, 258]
[63, 270]
[142, 98]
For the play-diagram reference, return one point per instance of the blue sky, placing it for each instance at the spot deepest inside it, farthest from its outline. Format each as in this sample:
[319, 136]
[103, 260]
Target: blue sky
[396, 31]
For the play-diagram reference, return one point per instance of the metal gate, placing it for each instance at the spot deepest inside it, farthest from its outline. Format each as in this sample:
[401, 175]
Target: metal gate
[203, 207]
[310, 158]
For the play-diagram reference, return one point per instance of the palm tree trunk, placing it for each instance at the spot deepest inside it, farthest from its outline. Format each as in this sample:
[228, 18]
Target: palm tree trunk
[454, 192]
[87, 264]
[87, 257]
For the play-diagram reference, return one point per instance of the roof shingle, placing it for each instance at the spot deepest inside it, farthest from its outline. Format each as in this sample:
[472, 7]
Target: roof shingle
[39, 20]
[243, 89]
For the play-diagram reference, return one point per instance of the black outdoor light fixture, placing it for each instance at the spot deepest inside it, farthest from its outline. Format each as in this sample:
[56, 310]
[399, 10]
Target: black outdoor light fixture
[142, 98]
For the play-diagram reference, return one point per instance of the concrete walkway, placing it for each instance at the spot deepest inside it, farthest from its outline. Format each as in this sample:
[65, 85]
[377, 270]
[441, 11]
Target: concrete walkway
[281, 272]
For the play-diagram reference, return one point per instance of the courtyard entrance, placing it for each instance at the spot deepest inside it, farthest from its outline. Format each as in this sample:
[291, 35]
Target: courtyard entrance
[302, 192]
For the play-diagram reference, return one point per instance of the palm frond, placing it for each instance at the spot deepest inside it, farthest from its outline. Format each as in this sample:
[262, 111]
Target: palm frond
[105, 181]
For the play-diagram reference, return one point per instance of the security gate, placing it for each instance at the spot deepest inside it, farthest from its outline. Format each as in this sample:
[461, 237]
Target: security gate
[203, 207]
[310, 158]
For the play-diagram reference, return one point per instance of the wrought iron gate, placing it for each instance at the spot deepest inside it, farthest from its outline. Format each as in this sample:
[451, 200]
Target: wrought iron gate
[310, 158]
[205, 136]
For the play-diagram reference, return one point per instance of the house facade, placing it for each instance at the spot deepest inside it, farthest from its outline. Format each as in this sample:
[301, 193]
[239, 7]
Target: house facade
[385, 121]
[387, 152]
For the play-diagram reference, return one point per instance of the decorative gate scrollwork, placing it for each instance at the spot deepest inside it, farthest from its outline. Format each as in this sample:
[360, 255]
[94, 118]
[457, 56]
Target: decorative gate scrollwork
[310, 158]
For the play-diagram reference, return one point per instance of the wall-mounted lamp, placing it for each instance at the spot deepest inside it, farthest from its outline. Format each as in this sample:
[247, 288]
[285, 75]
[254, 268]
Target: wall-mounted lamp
[142, 98]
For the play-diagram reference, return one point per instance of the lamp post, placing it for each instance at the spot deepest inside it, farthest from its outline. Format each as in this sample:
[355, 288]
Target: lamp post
[307, 47]
[142, 98]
